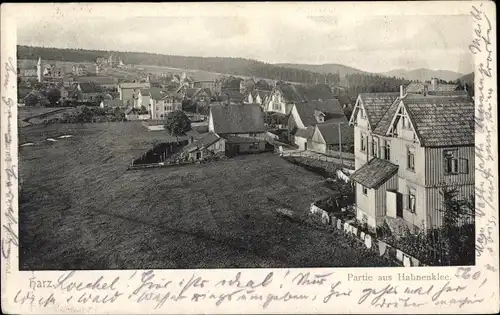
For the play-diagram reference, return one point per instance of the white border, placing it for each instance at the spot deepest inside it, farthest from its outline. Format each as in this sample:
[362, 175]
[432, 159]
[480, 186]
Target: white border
[15, 283]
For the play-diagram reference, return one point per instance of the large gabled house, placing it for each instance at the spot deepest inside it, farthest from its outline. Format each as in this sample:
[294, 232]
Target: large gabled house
[408, 148]
[241, 127]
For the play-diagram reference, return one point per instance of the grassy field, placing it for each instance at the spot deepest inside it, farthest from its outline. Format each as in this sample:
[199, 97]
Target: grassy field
[81, 209]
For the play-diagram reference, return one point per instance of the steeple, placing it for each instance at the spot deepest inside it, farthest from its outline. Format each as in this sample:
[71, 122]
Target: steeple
[39, 69]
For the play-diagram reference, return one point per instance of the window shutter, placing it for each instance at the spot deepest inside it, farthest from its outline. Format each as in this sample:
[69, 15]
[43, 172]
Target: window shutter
[463, 166]
[405, 201]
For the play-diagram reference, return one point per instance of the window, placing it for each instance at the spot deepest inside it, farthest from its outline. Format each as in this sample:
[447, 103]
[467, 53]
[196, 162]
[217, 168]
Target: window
[363, 143]
[364, 189]
[410, 158]
[387, 150]
[453, 164]
[411, 200]
[361, 112]
[374, 146]
[253, 135]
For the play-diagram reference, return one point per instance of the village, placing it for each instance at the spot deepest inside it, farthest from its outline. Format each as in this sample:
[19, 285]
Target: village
[385, 164]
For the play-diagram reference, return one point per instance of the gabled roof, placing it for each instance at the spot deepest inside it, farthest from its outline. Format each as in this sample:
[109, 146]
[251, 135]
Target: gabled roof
[374, 173]
[330, 132]
[375, 105]
[331, 108]
[290, 93]
[156, 93]
[205, 141]
[305, 133]
[315, 92]
[442, 121]
[237, 119]
[87, 87]
[261, 93]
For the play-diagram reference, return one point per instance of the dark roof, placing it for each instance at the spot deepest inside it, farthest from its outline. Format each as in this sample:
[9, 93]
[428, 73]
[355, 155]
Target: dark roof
[87, 87]
[305, 133]
[344, 99]
[205, 141]
[190, 92]
[156, 93]
[384, 123]
[263, 85]
[330, 132]
[331, 108]
[442, 121]
[237, 119]
[290, 93]
[315, 92]
[234, 95]
[374, 173]
[376, 104]
[113, 103]
[446, 87]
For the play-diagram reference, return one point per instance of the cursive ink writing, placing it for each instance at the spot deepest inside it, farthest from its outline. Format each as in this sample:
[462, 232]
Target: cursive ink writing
[305, 279]
[9, 69]
[378, 294]
[334, 292]
[10, 221]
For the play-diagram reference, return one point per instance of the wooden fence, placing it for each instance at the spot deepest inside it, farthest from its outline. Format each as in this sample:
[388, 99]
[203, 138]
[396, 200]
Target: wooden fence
[320, 157]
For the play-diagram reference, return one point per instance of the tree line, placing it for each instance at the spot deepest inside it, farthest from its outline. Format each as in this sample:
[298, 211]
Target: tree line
[236, 66]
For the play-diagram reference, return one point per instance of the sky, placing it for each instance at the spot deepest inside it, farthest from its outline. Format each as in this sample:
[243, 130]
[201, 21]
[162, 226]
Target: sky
[370, 43]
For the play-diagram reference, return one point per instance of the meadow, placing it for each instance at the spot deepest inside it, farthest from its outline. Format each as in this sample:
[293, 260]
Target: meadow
[81, 209]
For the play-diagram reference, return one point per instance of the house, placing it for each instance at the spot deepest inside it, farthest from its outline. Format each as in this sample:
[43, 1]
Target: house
[247, 85]
[129, 91]
[331, 136]
[136, 114]
[242, 127]
[231, 97]
[79, 70]
[408, 147]
[88, 92]
[113, 103]
[162, 102]
[106, 82]
[433, 86]
[284, 96]
[305, 116]
[257, 97]
[213, 86]
[207, 145]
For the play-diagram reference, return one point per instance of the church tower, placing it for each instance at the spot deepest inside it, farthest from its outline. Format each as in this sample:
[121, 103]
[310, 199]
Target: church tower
[39, 69]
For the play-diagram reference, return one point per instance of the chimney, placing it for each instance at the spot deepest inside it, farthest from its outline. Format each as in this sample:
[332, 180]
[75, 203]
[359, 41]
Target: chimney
[434, 83]
[401, 91]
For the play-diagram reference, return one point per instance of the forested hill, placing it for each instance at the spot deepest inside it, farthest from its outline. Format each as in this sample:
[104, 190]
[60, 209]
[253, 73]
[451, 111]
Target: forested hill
[234, 66]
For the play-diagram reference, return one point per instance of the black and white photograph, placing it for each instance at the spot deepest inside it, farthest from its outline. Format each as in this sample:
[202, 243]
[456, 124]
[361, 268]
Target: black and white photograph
[245, 142]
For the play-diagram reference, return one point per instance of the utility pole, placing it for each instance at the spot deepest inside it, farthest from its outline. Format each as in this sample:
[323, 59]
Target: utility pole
[340, 146]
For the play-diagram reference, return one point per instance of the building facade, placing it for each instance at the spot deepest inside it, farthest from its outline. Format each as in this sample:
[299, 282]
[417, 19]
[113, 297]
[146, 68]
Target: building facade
[408, 150]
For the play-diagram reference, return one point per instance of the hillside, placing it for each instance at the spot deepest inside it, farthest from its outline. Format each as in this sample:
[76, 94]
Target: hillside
[423, 74]
[324, 68]
[468, 78]
[234, 66]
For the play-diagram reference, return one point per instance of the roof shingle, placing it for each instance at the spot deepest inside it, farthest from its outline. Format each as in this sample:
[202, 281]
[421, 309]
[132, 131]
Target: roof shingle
[374, 173]
[237, 119]
[376, 105]
[330, 132]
